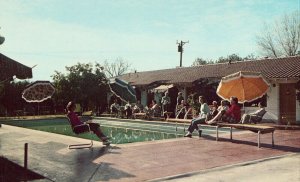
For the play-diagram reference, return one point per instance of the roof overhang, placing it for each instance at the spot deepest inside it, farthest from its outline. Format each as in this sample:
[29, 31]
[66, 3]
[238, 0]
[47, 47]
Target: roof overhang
[162, 88]
[284, 80]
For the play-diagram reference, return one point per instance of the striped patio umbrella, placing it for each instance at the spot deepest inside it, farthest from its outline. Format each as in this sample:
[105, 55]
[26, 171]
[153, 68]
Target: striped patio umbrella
[122, 89]
[246, 86]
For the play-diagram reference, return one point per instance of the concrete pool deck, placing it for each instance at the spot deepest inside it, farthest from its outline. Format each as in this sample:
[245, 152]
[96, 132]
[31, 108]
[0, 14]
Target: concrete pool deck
[179, 159]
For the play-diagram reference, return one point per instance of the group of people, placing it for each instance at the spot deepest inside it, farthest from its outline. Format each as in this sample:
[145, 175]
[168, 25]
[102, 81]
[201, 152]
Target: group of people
[230, 113]
[157, 111]
[209, 115]
[154, 109]
[128, 110]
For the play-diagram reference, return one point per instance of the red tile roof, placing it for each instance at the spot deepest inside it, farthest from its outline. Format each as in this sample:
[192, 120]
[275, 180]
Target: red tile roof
[288, 67]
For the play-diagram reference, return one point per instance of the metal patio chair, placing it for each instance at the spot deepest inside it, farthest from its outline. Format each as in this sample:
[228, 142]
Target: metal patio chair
[79, 130]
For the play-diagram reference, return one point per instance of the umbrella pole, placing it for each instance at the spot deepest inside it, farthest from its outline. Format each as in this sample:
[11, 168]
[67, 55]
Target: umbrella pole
[116, 94]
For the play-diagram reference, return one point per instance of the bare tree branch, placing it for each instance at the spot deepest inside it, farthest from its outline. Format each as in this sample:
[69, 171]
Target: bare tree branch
[266, 42]
[283, 38]
[117, 68]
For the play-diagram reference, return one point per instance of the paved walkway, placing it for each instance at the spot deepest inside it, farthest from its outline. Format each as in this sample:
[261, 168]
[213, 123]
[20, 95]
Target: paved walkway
[283, 168]
[178, 159]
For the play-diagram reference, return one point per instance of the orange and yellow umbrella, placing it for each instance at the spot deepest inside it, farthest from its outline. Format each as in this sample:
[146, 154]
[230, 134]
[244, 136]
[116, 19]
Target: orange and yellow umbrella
[246, 86]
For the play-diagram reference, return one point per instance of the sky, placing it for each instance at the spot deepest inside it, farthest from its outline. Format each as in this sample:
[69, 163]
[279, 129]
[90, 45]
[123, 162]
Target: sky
[52, 34]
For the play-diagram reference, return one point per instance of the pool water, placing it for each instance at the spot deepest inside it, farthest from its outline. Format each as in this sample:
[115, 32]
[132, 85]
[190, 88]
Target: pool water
[119, 131]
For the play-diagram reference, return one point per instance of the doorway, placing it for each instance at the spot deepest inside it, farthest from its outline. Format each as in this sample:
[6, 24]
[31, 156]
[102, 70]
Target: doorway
[287, 103]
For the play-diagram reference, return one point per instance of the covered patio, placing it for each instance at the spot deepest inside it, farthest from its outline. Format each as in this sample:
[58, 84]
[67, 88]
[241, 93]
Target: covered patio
[10, 68]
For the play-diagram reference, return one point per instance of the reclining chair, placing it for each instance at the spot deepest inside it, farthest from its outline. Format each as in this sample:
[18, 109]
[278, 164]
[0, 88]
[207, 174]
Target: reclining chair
[78, 130]
[257, 118]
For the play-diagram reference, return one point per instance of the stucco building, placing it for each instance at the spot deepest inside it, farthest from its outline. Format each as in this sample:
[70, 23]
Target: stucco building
[283, 98]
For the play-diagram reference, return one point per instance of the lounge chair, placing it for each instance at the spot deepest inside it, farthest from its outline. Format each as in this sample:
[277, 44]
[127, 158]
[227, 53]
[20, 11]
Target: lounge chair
[258, 118]
[253, 118]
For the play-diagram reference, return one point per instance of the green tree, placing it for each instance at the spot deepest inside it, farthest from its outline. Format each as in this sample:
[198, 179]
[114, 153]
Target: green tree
[83, 83]
[251, 57]
[201, 61]
[11, 97]
[229, 59]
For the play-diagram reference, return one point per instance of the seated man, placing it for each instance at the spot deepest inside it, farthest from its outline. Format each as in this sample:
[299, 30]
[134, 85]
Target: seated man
[213, 110]
[154, 110]
[165, 102]
[204, 113]
[181, 110]
[115, 108]
[222, 108]
[232, 115]
[138, 107]
[254, 117]
[128, 110]
[79, 127]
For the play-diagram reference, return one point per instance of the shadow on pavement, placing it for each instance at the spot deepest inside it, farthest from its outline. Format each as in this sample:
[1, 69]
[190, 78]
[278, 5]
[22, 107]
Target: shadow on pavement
[10, 171]
[107, 172]
[284, 148]
[100, 170]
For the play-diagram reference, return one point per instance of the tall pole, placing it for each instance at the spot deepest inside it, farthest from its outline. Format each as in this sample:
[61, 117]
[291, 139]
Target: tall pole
[181, 54]
[180, 49]
[25, 160]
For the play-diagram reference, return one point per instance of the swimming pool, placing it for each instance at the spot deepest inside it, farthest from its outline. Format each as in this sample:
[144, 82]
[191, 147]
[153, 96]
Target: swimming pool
[119, 130]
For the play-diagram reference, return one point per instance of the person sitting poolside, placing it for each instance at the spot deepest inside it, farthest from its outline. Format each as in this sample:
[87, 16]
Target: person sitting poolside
[138, 107]
[76, 123]
[254, 117]
[128, 110]
[179, 101]
[165, 102]
[154, 110]
[115, 108]
[181, 110]
[204, 112]
[214, 109]
[232, 115]
[223, 106]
